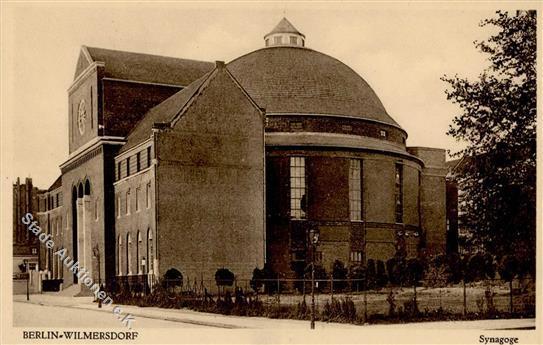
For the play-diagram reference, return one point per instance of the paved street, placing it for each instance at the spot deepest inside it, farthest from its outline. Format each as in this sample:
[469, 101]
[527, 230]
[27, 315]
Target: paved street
[34, 315]
[61, 311]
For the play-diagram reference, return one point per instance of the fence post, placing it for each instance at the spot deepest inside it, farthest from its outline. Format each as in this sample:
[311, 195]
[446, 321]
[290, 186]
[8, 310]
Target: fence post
[511, 296]
[464, 288]
[278, 291]
[331, 287]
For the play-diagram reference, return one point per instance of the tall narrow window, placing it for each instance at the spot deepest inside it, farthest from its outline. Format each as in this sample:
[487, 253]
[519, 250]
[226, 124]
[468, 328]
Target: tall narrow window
[138, 164]
[150, 251]
[128, 254]
[398, 193]
[119, 206]
[355, 190]
[128, 201]
[119, 255]
[138, 198]
[118, 171]
[128, 166]
[297, 188]
[149, 156]
[148, 194]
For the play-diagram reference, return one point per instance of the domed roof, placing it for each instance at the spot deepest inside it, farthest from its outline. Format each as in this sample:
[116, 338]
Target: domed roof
[295, 80]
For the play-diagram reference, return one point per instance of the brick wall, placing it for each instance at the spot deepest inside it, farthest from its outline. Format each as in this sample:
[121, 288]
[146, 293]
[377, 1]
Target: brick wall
[210, 185]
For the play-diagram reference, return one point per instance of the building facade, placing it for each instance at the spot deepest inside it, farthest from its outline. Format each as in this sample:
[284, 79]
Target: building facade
[195, 166]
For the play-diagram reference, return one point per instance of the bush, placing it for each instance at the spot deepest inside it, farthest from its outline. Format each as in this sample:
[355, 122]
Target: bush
[370, 274]
[256, 281]
[320, 278]
[339, 273]
[415, 271]
[381, 276]
[508, 268]
[173, 278]
[437, 274]
[357, 274]
[224, 277]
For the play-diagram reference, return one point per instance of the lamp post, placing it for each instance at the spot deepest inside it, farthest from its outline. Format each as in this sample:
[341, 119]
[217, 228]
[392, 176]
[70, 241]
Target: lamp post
[314, 238]
[25, 262]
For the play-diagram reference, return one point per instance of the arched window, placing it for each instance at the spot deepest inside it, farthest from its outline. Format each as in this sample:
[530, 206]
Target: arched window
[128, 251]
[138, 259]
[87, 187]
[150, 251]
[119, 255]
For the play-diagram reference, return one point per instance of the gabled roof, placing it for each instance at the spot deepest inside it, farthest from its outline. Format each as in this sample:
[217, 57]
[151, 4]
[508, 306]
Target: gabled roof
[285, 26]
[165, 112]
[168, 112]
[148, 68]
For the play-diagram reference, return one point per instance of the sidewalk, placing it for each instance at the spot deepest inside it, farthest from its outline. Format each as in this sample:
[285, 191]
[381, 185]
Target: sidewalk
[237, 322]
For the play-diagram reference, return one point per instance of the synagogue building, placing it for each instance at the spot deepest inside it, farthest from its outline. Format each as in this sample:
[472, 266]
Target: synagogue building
[195, 166]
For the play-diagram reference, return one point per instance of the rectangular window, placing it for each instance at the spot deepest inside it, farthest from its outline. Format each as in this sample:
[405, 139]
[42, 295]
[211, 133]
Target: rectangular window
[148, 194]
[128, 166]
[119, 206]
[149, 156]
[138, 164]
[118, 171]
[128, 202]
[137, 199]
[298, 188]
[293, 40]
[356, 256]
[398, 193]
[278, 40]
[383, 134]
[355, 190]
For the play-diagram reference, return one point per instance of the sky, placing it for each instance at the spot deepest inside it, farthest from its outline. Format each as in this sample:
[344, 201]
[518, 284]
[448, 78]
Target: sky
[401, 49]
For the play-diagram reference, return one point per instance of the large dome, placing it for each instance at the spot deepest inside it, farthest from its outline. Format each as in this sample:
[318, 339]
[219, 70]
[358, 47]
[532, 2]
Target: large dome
[297, 80]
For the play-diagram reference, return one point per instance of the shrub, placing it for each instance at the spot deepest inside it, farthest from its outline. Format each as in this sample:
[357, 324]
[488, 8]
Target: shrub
[173, 278]
[320, 277]
[436, 274]
[415, 271]
[256, 281]
[370, 274]
[508, 268]
[489, 268]
[357, 274]
[224, 277]
[381, 276]
[339, 273]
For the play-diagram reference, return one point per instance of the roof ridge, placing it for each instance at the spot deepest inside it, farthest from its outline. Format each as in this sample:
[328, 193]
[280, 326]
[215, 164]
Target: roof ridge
[195, 94]
[139, 53]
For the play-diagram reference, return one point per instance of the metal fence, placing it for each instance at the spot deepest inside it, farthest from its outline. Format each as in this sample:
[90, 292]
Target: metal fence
[487, 297]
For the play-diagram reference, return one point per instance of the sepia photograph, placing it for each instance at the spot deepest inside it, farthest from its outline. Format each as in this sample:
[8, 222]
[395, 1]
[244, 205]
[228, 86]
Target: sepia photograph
[270, 172]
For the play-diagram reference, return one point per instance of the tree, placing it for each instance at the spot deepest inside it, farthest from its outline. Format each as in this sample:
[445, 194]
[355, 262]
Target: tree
[256, 281]
[498, 124]
[224, 277]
